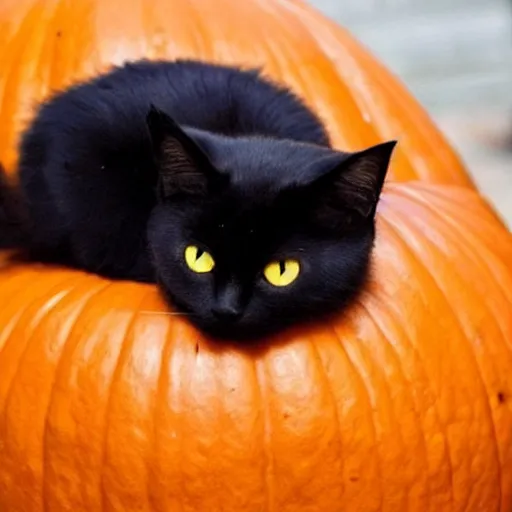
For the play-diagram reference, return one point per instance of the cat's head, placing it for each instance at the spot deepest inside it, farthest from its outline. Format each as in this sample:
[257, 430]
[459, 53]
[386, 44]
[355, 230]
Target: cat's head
[251, 235]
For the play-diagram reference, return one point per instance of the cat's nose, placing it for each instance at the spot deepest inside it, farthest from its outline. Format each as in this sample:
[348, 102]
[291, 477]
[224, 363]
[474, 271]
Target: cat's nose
[228, 306]
[226, 312]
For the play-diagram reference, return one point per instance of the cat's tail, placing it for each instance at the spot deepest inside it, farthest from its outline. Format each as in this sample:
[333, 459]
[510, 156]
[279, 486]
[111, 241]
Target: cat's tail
[13, 232]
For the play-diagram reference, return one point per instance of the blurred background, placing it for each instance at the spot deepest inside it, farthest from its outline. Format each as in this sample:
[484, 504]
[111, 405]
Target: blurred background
[456, 58]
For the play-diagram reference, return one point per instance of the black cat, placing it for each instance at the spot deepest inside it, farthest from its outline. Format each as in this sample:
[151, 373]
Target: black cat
[211, 181]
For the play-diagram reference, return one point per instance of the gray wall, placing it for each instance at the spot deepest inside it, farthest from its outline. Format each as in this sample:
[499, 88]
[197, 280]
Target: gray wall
[450, 52]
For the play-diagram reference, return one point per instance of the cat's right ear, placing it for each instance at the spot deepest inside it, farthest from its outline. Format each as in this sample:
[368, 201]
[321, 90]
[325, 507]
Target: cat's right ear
[183, 167]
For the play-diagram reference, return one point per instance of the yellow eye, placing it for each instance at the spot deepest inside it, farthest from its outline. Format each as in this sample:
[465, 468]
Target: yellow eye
[198, 260]
[282, 273]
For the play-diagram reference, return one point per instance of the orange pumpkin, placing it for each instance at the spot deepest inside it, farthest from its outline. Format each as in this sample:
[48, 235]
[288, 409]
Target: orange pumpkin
[108, 401]
[48, 44]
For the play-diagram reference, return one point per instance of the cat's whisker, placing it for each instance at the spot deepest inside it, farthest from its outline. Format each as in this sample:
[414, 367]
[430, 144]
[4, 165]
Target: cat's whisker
[164, 313]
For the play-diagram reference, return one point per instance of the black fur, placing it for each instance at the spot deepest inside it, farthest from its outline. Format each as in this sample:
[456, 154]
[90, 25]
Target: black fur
[119, 174]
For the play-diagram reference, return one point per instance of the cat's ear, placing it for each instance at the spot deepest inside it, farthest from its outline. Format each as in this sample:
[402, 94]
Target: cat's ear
[352, 183]
[183, 167]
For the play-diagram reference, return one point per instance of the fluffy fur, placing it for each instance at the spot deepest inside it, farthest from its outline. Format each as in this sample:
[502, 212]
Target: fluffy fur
[119, 174]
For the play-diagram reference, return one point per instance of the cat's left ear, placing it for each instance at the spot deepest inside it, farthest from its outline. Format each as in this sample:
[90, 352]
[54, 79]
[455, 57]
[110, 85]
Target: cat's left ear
[354, 182]
[183, 166]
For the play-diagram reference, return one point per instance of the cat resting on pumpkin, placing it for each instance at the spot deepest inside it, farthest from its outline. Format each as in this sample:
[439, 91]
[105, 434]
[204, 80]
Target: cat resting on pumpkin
[208, 180]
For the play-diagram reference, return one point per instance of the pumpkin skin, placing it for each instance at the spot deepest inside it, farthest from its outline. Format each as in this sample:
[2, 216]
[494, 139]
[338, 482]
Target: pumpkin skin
[110, 402]
[48, 44]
